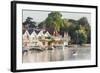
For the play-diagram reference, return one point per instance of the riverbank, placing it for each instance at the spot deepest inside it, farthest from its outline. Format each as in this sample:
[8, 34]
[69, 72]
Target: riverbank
[83, 45]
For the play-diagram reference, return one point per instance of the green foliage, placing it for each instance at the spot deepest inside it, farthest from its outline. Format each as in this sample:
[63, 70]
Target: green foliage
[81, 36]
[78, 30]
[41, 25]
[54, 20]
[83, 21]
[29, 23]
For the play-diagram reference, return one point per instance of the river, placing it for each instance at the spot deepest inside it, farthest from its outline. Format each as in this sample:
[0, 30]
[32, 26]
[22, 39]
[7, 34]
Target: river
[57, 54]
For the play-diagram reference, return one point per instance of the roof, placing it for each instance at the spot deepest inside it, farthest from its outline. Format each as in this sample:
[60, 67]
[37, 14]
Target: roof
[36, 30]
[33, 34]
[41, 33]
[47, 34]
[26, 33]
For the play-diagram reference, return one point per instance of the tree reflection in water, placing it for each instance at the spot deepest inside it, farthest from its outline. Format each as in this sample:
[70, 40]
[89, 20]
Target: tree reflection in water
[57, 54]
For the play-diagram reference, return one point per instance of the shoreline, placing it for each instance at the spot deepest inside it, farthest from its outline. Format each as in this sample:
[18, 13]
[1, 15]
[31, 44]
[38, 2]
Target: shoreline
[83, 45]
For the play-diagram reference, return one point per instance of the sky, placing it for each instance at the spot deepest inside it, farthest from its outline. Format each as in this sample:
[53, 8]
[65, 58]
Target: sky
[39, 16]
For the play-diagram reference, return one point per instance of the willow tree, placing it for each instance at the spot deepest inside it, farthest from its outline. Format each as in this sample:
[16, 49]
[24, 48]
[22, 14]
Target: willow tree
[54, 21]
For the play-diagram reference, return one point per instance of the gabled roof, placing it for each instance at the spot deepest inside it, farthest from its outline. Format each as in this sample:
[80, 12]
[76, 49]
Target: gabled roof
[36, 31]
[47, 34]
[41, 33]
[23, 31]
[33, 34]
[26, 33]
[44, 32]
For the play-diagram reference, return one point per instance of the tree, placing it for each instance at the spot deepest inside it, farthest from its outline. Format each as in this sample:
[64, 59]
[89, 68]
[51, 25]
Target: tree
[71, 26]
[83, 21]
[41, 24]
[88, 33]
[28, 23]
[54, 21]
[66, 25]
[78, 30]
[81, 36]
[56, 24]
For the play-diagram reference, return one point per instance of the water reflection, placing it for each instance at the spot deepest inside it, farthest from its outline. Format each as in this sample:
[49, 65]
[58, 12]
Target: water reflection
[57, 54]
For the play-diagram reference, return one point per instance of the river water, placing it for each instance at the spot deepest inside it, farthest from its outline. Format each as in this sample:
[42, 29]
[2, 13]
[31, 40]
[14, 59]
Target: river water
[57, 54]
